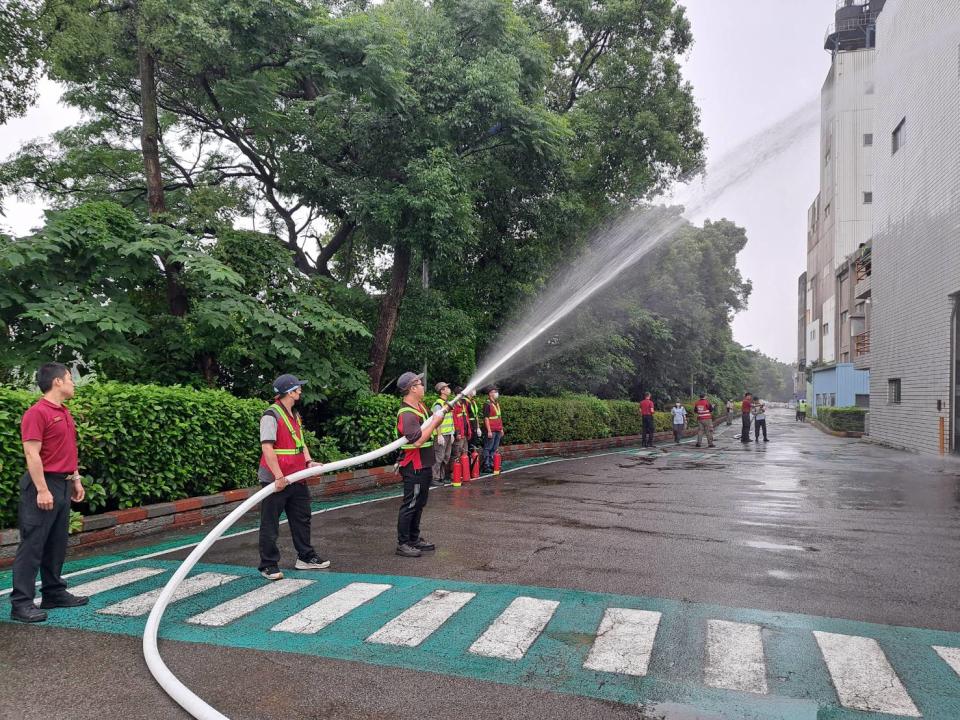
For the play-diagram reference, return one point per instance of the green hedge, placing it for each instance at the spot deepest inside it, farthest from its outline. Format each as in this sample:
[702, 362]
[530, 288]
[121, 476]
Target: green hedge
[847, 419]
[141, 444]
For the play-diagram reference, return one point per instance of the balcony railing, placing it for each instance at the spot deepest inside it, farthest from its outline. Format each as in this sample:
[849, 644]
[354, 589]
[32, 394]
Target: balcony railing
[862, 344]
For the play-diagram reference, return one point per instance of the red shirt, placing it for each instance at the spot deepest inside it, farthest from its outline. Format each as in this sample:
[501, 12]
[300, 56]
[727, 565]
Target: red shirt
[491, 411]
[704, 409]
[747, 404]
[53, 426]
[646, 407]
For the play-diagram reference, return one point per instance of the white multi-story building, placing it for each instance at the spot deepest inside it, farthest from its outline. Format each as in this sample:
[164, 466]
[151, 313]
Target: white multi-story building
[840, 218]
[914, 356]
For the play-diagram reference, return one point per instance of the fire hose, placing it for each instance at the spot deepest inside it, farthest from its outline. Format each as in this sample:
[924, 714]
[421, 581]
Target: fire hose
[184, 696]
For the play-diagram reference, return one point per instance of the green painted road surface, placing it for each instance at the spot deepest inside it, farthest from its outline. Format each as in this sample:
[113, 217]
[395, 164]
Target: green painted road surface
[632, 650]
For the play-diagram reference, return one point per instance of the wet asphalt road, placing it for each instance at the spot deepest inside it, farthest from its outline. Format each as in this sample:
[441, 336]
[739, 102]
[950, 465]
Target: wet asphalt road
[806, 523]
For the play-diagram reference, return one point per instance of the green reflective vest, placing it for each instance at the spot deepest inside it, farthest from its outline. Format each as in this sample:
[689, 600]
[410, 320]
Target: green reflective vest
[446, 425]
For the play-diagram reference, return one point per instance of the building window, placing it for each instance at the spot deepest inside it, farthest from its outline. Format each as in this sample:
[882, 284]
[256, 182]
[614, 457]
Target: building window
[826, 210]
[868, 198]
[813, 334]
[845, 357]
[826, 328]
[868, 87]
[899, 136]
[868, 140]
[893, 391]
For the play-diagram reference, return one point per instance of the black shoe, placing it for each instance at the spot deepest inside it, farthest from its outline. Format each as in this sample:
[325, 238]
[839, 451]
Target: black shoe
[27, 614]
[423, 546]
[271, 573]
[711, 445]
[63, 600]
[405, 550]
[765, 440]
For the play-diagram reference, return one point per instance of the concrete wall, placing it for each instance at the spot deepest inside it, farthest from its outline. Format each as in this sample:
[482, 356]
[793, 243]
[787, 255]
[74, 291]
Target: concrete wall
[916, 243]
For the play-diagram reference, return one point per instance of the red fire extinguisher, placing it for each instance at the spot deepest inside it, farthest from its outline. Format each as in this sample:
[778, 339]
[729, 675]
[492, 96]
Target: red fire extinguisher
[464, 464]
[457, 473]
[474, 465]
[496, 463]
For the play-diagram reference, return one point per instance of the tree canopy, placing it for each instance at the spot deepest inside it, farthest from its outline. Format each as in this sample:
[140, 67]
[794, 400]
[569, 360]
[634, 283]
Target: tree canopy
[412, 172]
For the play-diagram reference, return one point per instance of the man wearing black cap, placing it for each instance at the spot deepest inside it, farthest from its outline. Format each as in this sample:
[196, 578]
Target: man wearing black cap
[285, 453]
[493, 424]
[416, 463]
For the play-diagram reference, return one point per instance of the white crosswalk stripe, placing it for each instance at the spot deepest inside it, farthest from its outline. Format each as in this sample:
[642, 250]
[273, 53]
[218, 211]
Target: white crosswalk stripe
[419, 622]
[735, 657]
[951, 656]
[512, 634]
[248, 602]
[862, 675]
[141, 604]
[624, 642]
[331, 608]
[111, 582]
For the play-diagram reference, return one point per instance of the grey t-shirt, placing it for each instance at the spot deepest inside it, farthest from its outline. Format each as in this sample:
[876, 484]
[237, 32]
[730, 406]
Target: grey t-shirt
[268, 434]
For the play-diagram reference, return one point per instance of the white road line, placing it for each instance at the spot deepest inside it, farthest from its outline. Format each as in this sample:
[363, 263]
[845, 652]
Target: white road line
[248, 602]
[735, 657]
[110, 582]
[141, 604]
[624, 642]
[188, 546]
[512, 634]
[417, 623]
[863, 676]
[314, 618]
[951, 656]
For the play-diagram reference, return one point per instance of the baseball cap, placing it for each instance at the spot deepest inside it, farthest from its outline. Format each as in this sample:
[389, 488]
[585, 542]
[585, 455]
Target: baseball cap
[440, 386]
[287, 383]
[406, 380]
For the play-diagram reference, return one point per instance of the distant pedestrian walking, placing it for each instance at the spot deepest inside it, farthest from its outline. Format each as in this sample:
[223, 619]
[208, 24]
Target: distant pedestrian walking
[746, 418]
[730, 408]
[704, 412]
[646, 413]
[802, 410]
[759, 420]
[679, 413]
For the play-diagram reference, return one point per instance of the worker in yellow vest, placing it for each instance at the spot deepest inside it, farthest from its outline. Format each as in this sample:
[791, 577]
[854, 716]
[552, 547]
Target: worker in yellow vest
[416, 463]
[493, 424]
[443, 442]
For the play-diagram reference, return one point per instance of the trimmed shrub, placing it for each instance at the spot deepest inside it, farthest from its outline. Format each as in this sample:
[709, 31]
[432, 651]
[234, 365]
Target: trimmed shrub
[141, 444]
[845, 419]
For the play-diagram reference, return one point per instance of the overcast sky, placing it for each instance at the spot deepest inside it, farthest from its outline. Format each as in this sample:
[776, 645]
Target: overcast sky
[752, 63]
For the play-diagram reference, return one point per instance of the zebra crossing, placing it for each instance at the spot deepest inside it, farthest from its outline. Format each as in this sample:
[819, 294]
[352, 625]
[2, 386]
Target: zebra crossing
[620, 648]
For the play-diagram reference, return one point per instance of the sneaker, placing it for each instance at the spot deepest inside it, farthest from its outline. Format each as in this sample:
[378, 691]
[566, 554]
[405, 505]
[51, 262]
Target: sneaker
[63, 600]
[423, 546]
[314, 562]
[711, 445]
[27, 614]
[405, 550]
[272, 573]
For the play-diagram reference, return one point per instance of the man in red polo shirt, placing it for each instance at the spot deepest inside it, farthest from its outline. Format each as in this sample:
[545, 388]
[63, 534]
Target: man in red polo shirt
[646, 412]
[46, 489]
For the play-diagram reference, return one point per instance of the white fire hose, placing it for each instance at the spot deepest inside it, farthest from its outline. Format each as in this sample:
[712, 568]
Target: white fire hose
[189, 700]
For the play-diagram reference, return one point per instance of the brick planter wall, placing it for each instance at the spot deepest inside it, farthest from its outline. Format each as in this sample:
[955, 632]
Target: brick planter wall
[197, 511]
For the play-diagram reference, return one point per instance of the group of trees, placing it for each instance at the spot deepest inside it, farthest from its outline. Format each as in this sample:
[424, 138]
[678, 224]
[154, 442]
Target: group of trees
[412, 173]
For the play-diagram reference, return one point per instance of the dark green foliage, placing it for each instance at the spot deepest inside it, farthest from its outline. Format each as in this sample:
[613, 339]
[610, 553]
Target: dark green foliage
[141, 444]
[846, 419]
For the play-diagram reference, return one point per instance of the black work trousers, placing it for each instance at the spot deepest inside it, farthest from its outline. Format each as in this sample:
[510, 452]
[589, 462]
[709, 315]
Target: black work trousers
[43, 540]
[416, 491]
[760, 425]
[648, 431]
[294, 500]
[745, 432]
